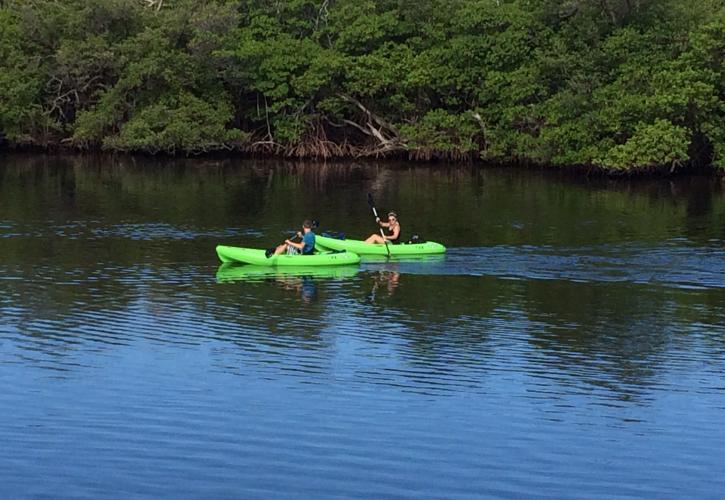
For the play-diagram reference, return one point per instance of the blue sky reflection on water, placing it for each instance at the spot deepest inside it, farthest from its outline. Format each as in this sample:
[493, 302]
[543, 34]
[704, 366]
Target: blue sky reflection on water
[569, 345]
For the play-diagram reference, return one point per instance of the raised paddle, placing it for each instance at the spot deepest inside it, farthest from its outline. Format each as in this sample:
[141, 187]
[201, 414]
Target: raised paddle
[375, 213]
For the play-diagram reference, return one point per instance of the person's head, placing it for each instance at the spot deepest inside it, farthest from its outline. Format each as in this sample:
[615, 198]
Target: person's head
[392, 217]
[307, 225]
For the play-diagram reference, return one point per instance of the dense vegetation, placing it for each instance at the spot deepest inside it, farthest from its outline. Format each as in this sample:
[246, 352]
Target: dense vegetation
[617, 83]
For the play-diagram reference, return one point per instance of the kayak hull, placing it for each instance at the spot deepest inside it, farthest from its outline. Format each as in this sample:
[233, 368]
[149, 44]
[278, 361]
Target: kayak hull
[258, 258]
[362, 248]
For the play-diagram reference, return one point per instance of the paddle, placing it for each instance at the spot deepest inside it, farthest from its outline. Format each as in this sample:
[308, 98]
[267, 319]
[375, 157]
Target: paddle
[375, 213]
[270, 251]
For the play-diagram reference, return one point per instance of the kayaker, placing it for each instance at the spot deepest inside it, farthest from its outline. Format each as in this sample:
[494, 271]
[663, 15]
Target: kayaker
[304, 247]
[393, 227]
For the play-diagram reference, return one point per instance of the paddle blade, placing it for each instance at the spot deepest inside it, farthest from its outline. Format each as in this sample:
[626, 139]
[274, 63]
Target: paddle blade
[370, 200]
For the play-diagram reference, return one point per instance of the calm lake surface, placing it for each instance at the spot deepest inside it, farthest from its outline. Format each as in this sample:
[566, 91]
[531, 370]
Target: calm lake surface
[571, 344]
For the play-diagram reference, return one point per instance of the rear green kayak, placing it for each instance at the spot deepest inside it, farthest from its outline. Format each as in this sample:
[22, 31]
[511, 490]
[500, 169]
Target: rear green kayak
[362, 248]
[257, 257]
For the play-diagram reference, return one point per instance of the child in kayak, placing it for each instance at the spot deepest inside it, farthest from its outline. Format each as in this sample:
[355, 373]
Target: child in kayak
[305, 247]
[393, 229]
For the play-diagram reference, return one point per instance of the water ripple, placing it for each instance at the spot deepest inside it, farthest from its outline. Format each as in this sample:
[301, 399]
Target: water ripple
[587, 349]
[697, 268]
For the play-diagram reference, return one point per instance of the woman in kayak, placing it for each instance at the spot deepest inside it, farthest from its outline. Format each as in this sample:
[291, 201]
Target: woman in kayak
[393, 226]
[305, 247]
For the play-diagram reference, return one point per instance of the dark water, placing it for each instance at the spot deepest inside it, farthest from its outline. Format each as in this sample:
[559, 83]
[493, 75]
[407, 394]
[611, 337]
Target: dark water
[571, 344]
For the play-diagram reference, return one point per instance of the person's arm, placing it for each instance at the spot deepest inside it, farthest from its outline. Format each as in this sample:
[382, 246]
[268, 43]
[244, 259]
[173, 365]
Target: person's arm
[394, 236]
[381, 223]
[298, 246]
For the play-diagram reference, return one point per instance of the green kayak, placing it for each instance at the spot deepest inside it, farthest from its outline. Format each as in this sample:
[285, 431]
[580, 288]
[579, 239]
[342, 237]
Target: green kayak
[232, 271]
[362, 248]
[257, 257]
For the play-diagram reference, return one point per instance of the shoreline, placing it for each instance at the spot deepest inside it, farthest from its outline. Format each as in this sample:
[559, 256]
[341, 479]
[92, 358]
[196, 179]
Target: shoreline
[579, 171]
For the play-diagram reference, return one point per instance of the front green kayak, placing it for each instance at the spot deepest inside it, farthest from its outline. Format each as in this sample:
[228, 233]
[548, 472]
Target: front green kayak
[362, 248]
[257, 257]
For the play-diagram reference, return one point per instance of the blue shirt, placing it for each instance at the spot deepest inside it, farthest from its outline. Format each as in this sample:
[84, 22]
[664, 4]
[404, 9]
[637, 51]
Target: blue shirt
[308, 240]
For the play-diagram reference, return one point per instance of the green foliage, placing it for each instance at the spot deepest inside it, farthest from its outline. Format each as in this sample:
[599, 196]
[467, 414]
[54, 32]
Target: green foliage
[184, 123]
[358, 28]
[20, 83]
[617, 83]
[166, 95]
[442, 132]
[660, 143]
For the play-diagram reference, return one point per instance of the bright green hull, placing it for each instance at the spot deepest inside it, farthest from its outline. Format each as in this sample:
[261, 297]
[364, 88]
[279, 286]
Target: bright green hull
[362, 248]
[233, 272]
[256, 257]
